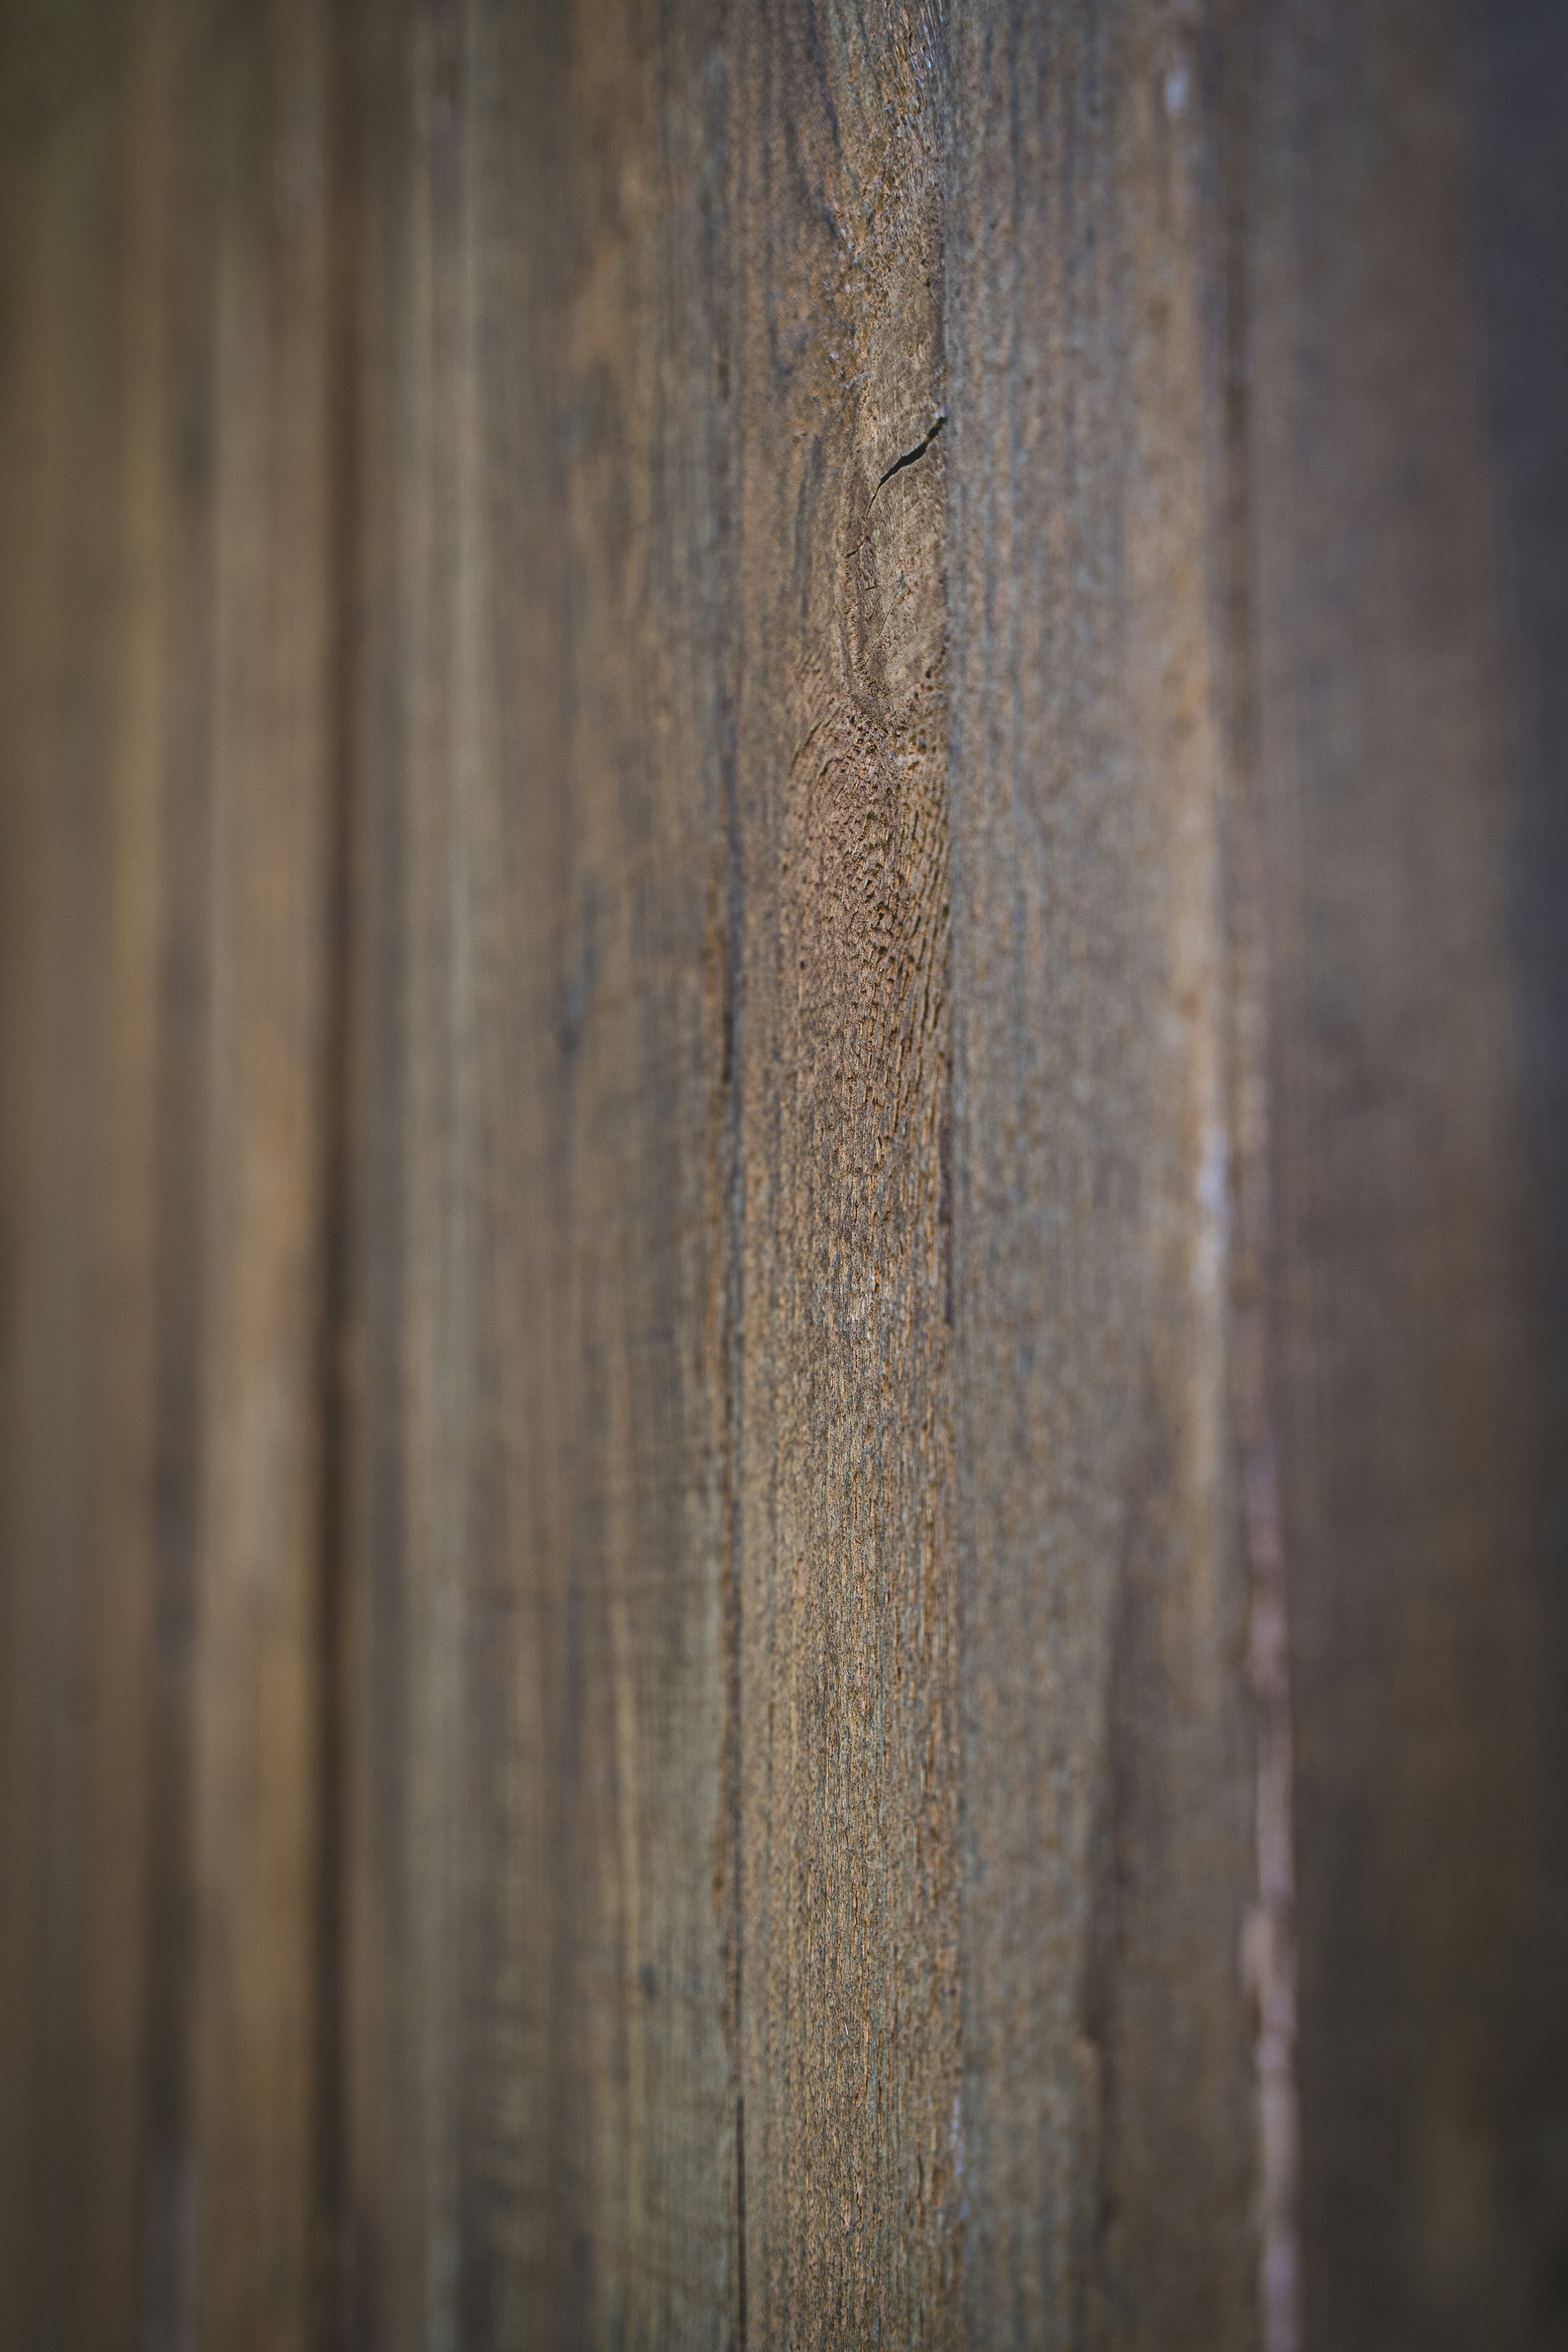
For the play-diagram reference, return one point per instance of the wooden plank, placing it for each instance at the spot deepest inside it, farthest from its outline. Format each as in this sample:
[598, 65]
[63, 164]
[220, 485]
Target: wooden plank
[583, 845]
[169, 811]
[846, 1719]
[266, 910]
[1404, 741]
[1108, 1805]
[649, 995]
[543, 2137]
[80, 400]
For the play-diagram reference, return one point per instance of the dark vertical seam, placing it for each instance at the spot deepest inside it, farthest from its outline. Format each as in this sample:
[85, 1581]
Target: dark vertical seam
[728, 650]
[734, 1391]
[167, 2188]
[1027, 43]
[332, 2315]
[734, 1385]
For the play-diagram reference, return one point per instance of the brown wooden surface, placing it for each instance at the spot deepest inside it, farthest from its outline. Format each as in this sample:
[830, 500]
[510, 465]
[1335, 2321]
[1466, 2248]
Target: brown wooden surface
[782, 1042]
[1410, 772]
[167, 808]
[1108, 1789]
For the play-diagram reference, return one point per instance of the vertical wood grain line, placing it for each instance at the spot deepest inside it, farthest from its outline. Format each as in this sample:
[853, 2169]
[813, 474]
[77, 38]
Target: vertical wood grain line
[1230, 69]
[169, 2183]
[333, 2252]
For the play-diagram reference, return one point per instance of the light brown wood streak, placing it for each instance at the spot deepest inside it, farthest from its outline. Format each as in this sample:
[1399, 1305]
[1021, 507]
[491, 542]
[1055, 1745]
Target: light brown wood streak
[254, 1754]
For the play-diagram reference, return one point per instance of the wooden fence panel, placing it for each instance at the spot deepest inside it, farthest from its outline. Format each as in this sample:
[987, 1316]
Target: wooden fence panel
[782, 1114]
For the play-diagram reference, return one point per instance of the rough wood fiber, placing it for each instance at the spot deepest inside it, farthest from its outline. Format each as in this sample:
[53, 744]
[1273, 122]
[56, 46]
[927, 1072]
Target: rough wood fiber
[848, 1857]
[1403, 184]
[848, 1851]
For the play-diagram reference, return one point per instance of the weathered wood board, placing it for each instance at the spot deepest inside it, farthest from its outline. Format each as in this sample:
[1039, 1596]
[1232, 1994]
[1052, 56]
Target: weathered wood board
[782, 1031]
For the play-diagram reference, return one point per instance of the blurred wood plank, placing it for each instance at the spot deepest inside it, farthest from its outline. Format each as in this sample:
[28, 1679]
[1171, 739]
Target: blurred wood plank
[170, 699]
[81, 395]
[267, 904]
[1405, 738]
[544, 2137]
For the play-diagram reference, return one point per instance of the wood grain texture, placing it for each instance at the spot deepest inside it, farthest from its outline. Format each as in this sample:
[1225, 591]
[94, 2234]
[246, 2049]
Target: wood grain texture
[544, 2138]
[782, 1006]
[848, 1859]
[1108, 1772]
[576, 1457]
